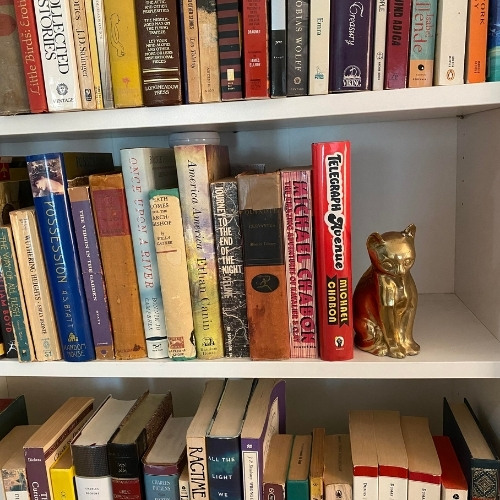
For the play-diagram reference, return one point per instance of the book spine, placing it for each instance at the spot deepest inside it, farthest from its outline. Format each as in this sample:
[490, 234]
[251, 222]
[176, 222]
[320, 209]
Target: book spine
[91, 265]
[9, 339]
[297, 489]
[122, 45]
[229, 251]
[450, 42]
[397, 44]
[316, 487]
[171, 255]
[419, 488]
[58, 55]
[63, 486]
[224, 468]
[15, 296]
[422, 43]
[332, 216]
[82, 50]
[14, 484]
[277, 56]
[391, 486]
[230, 56]
[98, 488]
[380, 29]
[476, 42]
[30, 50]
[126, 489]
[352, 35]
[365, 487]
[161, 487]
[274, 491]
[319, 46]
[297, 47]
[196, 453]
[493, 43]
[184, 485]
[103, 54]
[208, 50]
[93, 54]
[160, 58]
[255, 49]
[299, 263]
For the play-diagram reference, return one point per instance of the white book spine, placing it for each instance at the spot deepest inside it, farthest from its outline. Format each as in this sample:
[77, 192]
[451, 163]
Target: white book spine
[17, 495]
[57, 50]
[452, 493]
[421, 490]
[451, 32]
[93, 488]
[379, 45]
[319, 46]
[365, 488]
[392, 488]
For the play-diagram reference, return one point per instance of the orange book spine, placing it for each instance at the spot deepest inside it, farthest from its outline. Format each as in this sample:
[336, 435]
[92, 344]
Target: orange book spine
[475, 49]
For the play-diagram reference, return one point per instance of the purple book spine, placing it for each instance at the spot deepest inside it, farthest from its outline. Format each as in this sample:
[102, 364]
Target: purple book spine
[38, 480]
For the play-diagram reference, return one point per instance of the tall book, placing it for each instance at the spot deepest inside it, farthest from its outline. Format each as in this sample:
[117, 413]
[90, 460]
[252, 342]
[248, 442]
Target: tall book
[58, 56]
[453, 483]
[276, 467]
[123, 49]
[223, 440]
[422, 43]
[145, 169]
[12, 412]
[424, 469]
[297, 48]
[493, 43]
[319, 46]
[127, 445]
[49, 174]
[277, 48]
[197, 167]
[379, 32]
[62, 478]
[299, 261]
[159, 52]
[47, 444]
[107, 192]
[478, 459]
[196, 447]
[261, 211]
[317, 465]
[476, 42]
[170, 251]
[35, 284]
[451, 30]
[337, 477]
[266, 417]
[397, 44]
[229, 250]
[30, 51]
[89, 449]
[94, 54]
[91, 265]
[297, 481]
[331, 176]
[8, 346]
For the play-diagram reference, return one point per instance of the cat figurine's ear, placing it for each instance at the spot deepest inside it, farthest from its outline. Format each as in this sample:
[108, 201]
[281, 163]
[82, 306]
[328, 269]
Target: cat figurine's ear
[374, 240]
[410, 231]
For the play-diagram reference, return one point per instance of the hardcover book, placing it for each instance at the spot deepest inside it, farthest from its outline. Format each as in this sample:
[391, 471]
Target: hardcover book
[94, 54]
[12, 412]
[48, 443]
[379, 32]
[266, 416]
[8, 346]
[223, 440]
[197, 167]
[297, 48]
[33, 275]
[476, 43]
[297, 481]
[276, 467]
[277, 48]
[319, 47]
[62, 478]
[143, 170]
[299, 262]
[337, 476]
[331, 165]
[196, 447]
[453, 483]
[107, 193]
[49, 174]
[317, 465]
[493, 43]
[91, 266]
[229, 251]
[261, 212]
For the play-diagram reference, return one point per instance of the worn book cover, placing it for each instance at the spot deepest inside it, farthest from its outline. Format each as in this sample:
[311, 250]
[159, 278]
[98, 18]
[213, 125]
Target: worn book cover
[297, 48]
[62, 477]
[276, 467]
[453, 482]
[317, 465]
[337, 476]
[8, 346]
[319, 46]
[476, 42]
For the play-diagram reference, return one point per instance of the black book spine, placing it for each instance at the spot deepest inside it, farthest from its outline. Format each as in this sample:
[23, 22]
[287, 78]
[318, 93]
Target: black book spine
[297, 47]
[278, 49]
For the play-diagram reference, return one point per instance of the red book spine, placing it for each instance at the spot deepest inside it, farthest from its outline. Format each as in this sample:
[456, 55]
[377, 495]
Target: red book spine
[30, 50]
[331, 178]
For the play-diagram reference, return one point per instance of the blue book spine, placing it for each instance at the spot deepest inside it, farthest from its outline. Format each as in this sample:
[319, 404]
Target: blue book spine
[224, 468]
[493, 53]
[49, 186]
[161, 487]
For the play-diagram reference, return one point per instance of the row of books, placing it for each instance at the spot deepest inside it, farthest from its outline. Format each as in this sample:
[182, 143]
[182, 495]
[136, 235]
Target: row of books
[173, 257]
[116, 53]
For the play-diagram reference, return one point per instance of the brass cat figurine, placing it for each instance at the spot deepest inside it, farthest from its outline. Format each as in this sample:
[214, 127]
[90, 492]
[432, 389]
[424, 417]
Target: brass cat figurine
[385, 298]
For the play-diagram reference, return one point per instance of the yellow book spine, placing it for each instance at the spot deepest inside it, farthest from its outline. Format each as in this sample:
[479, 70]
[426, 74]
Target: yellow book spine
[62, 476]
[94, 54]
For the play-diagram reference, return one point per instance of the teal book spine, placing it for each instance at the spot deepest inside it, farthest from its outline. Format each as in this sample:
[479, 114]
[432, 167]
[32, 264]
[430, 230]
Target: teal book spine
[161, 487]
[297, 490]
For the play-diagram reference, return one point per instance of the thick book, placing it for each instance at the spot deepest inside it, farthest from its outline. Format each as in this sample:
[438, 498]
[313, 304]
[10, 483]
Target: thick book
[94, 54]
[297, 481]
[331, 176]
[196, 447]
[159, 52]
[478, 459]
[453, 482]
[123, 49]
[424, 469]
[297, 48]
[266, 416]
[229, 251]
[170, 251]
[276, 467]
[12, 412]
[107, 193]
[49, 174]
[379, 32]
[62, 478]
[277, 48]
[493, 43]
[143, 170]
[337, 477]
[197, 167]
[261, 211]
[223, 440]
[351, 40]
[319, 47]
[476, 43]
[89, 448]
[131, 440]
[91, 265]
[299, 261]
[47, 444]
[317, 465]
[35, 284]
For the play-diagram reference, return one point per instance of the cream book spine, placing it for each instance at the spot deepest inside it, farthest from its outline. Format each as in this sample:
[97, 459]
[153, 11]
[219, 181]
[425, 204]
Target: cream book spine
[319, 46]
